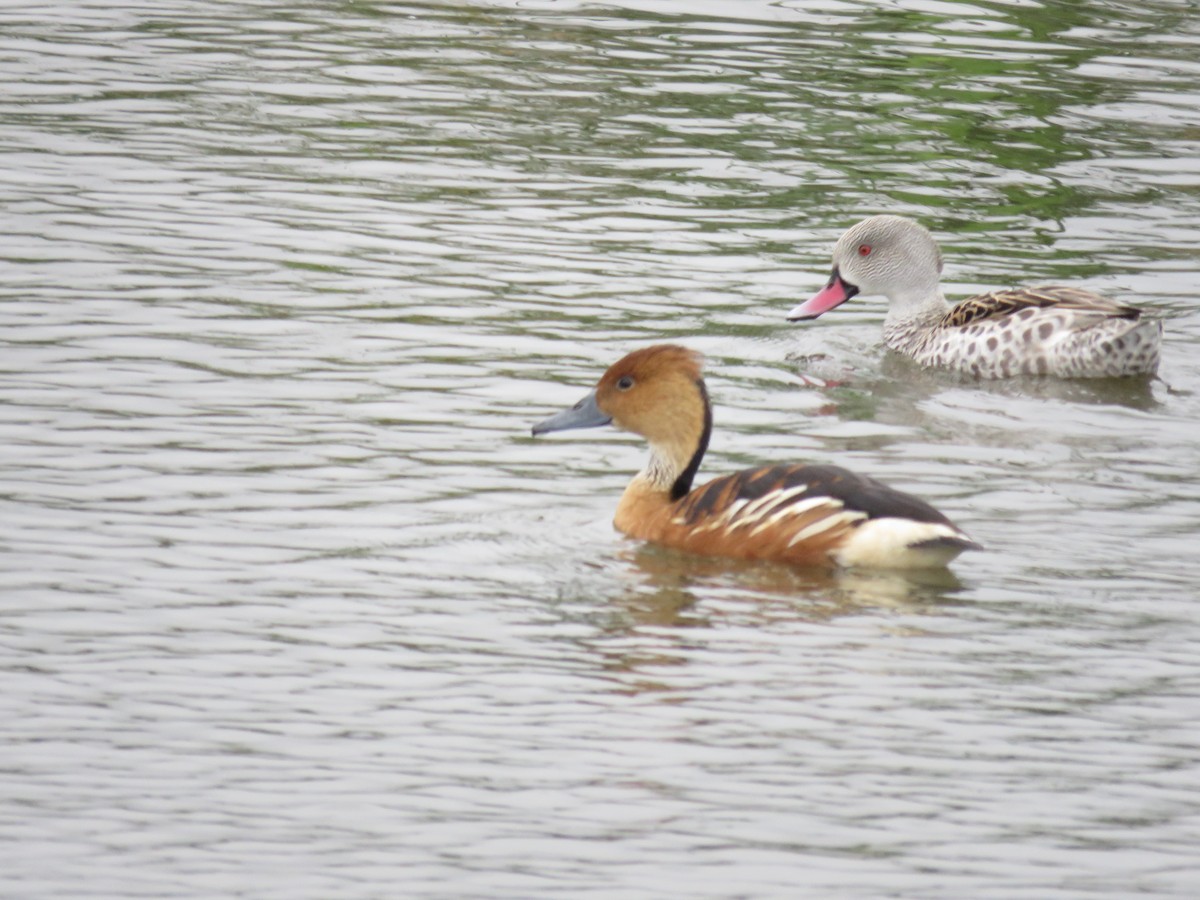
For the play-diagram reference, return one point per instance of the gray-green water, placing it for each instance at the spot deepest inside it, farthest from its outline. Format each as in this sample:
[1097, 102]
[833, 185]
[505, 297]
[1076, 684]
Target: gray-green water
[292, 606]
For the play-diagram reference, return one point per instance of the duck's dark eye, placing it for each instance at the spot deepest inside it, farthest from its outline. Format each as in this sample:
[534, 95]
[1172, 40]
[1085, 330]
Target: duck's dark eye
[625, 382]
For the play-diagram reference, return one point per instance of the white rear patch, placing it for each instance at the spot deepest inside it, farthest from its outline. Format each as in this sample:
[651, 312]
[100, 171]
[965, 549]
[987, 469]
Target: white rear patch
[887, 543]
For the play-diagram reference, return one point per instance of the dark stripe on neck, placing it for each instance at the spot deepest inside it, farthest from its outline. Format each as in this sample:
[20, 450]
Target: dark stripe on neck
[683, 483]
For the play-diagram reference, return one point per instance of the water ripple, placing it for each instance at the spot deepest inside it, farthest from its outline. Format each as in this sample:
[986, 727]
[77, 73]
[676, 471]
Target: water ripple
[293, 603]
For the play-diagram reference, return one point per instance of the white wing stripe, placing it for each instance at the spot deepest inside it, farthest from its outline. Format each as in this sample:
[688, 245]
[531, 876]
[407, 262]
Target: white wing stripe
[824, 524]
[766, 502]
[756, 507]
[795, 509]
[719, 522]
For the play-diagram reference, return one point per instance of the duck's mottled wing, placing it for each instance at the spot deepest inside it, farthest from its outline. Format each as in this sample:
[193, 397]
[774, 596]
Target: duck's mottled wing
[998, 304]
[753, 493]
[796, 512]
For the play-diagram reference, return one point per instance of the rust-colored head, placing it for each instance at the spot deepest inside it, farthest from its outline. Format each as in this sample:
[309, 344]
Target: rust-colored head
[656, 392]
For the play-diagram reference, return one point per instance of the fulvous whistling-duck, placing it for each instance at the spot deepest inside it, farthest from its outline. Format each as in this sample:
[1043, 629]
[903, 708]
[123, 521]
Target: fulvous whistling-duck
[1025, 331]
[799, 514]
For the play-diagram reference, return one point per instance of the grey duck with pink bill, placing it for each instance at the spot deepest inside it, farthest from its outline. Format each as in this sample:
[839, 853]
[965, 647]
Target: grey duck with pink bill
[1050, 330]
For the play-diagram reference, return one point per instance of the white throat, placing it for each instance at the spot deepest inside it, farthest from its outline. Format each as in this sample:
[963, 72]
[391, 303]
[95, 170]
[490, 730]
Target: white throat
[661, 469]
[916, 305]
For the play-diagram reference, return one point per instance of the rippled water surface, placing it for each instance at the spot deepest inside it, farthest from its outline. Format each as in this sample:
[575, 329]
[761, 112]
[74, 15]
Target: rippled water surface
[292, 604]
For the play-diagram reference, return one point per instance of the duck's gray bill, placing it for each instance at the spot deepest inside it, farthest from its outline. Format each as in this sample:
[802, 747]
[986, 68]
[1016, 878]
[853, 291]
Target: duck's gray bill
[584, 414]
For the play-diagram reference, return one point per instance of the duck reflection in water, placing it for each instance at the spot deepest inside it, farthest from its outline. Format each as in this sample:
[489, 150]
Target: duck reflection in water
[650, 625]
[670, 584]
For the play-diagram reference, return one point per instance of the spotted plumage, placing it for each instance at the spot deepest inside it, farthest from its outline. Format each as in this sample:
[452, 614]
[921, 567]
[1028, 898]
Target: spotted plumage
[800, 514]
[1048, 330]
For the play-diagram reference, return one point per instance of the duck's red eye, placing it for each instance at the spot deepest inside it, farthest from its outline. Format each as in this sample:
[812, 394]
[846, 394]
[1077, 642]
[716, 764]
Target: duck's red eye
[864, 249]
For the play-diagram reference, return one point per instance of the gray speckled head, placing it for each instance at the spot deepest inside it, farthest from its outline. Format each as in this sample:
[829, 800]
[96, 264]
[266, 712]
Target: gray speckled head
[892, 256]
